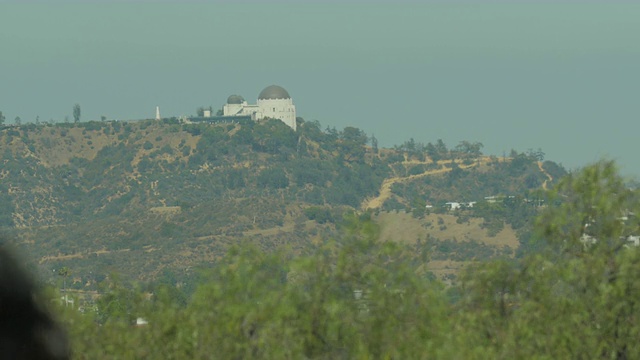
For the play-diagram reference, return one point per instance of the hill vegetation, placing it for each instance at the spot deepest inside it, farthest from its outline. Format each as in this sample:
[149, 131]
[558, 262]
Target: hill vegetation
[157, 200]
[254, 241]
[360, 297]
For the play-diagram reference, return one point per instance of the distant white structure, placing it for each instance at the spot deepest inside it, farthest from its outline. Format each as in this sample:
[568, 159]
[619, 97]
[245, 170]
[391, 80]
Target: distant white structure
[634, 240]
[458, 205]
[273, 102]
[157, 112]
[453, 205]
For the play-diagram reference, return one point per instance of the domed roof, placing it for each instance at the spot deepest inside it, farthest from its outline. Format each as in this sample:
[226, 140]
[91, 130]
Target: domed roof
[235, 99]
[273, 92]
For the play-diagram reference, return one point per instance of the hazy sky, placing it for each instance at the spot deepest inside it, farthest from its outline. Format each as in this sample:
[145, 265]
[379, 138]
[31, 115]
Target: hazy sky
[561, 77]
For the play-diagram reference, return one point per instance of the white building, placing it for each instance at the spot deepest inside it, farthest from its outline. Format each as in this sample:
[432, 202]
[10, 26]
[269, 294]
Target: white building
[273, 102]
[453, 205]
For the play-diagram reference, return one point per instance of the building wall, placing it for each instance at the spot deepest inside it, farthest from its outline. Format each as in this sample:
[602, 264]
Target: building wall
[232, 109]
[282, 109]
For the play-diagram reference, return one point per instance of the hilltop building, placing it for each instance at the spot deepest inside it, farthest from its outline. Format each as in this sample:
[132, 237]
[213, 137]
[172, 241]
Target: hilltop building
[273, 102]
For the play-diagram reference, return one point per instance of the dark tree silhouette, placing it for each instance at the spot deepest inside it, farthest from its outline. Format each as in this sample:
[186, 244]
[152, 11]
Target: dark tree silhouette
[27, 330]
[76, 113]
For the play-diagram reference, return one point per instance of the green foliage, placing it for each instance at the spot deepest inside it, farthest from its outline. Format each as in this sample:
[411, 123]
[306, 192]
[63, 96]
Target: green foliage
[273, 178]
[7, 208]
[554, 170]
[311, 130]
[312, 171]
[351, 144]
[354, 298]
[575, 299]
[320, 214]
[131, 195]
[464, 250]
[357, 297]
[273, 137]
[466, 149]
[93, 125]
[236, 178]
[76, 113]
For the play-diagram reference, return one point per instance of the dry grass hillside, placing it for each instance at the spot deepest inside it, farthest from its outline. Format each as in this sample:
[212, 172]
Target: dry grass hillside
[54, 146]
[402, 227]
[157, 199]
[407, 229]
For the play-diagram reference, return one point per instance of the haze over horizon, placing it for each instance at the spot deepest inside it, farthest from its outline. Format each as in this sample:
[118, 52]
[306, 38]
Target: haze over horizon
[561, 77]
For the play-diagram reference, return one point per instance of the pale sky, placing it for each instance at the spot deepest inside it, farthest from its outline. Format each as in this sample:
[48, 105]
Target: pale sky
[564, 77]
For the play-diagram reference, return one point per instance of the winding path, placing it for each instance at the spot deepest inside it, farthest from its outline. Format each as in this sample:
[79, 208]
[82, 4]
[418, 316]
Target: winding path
[385, 188]
[549, 177]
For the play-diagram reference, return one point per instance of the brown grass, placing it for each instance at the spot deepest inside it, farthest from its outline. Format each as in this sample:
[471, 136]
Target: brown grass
[402, 227]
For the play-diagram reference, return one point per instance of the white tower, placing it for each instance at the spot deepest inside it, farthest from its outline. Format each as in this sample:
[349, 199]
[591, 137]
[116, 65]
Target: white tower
[157, 112]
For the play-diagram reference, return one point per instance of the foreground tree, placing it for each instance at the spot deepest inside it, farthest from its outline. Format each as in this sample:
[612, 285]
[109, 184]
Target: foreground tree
[578, 298]
[354, 298]
[27, 329]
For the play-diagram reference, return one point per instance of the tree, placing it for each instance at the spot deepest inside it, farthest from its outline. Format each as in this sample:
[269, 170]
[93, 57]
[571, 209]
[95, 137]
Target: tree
[76, 113]
[64, 272]
[2, 118]
[274, 137]
[352, 143]
[27, 329]
[441, 147]
[536, 154]
[272, 178]
[432, 152]
[467, 148]
[374, 144]
[436, 152]
[17, 120]
[576, 298]
[594, 269]
[355, 298]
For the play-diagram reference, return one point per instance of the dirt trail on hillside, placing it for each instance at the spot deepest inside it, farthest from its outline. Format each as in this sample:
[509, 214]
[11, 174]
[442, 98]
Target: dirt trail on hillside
[78, 255]
[549, 177]
[385, 188]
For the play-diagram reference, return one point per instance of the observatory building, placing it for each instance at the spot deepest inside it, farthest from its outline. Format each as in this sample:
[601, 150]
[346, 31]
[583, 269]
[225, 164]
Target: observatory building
[273, 102]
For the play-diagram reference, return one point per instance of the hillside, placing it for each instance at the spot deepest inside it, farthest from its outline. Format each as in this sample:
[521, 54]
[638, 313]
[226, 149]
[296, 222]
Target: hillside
[155, 200]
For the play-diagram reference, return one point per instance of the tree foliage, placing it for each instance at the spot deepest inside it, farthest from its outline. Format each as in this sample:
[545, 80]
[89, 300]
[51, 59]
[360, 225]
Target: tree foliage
[357, 297]
[354, 298]
[577, 298]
